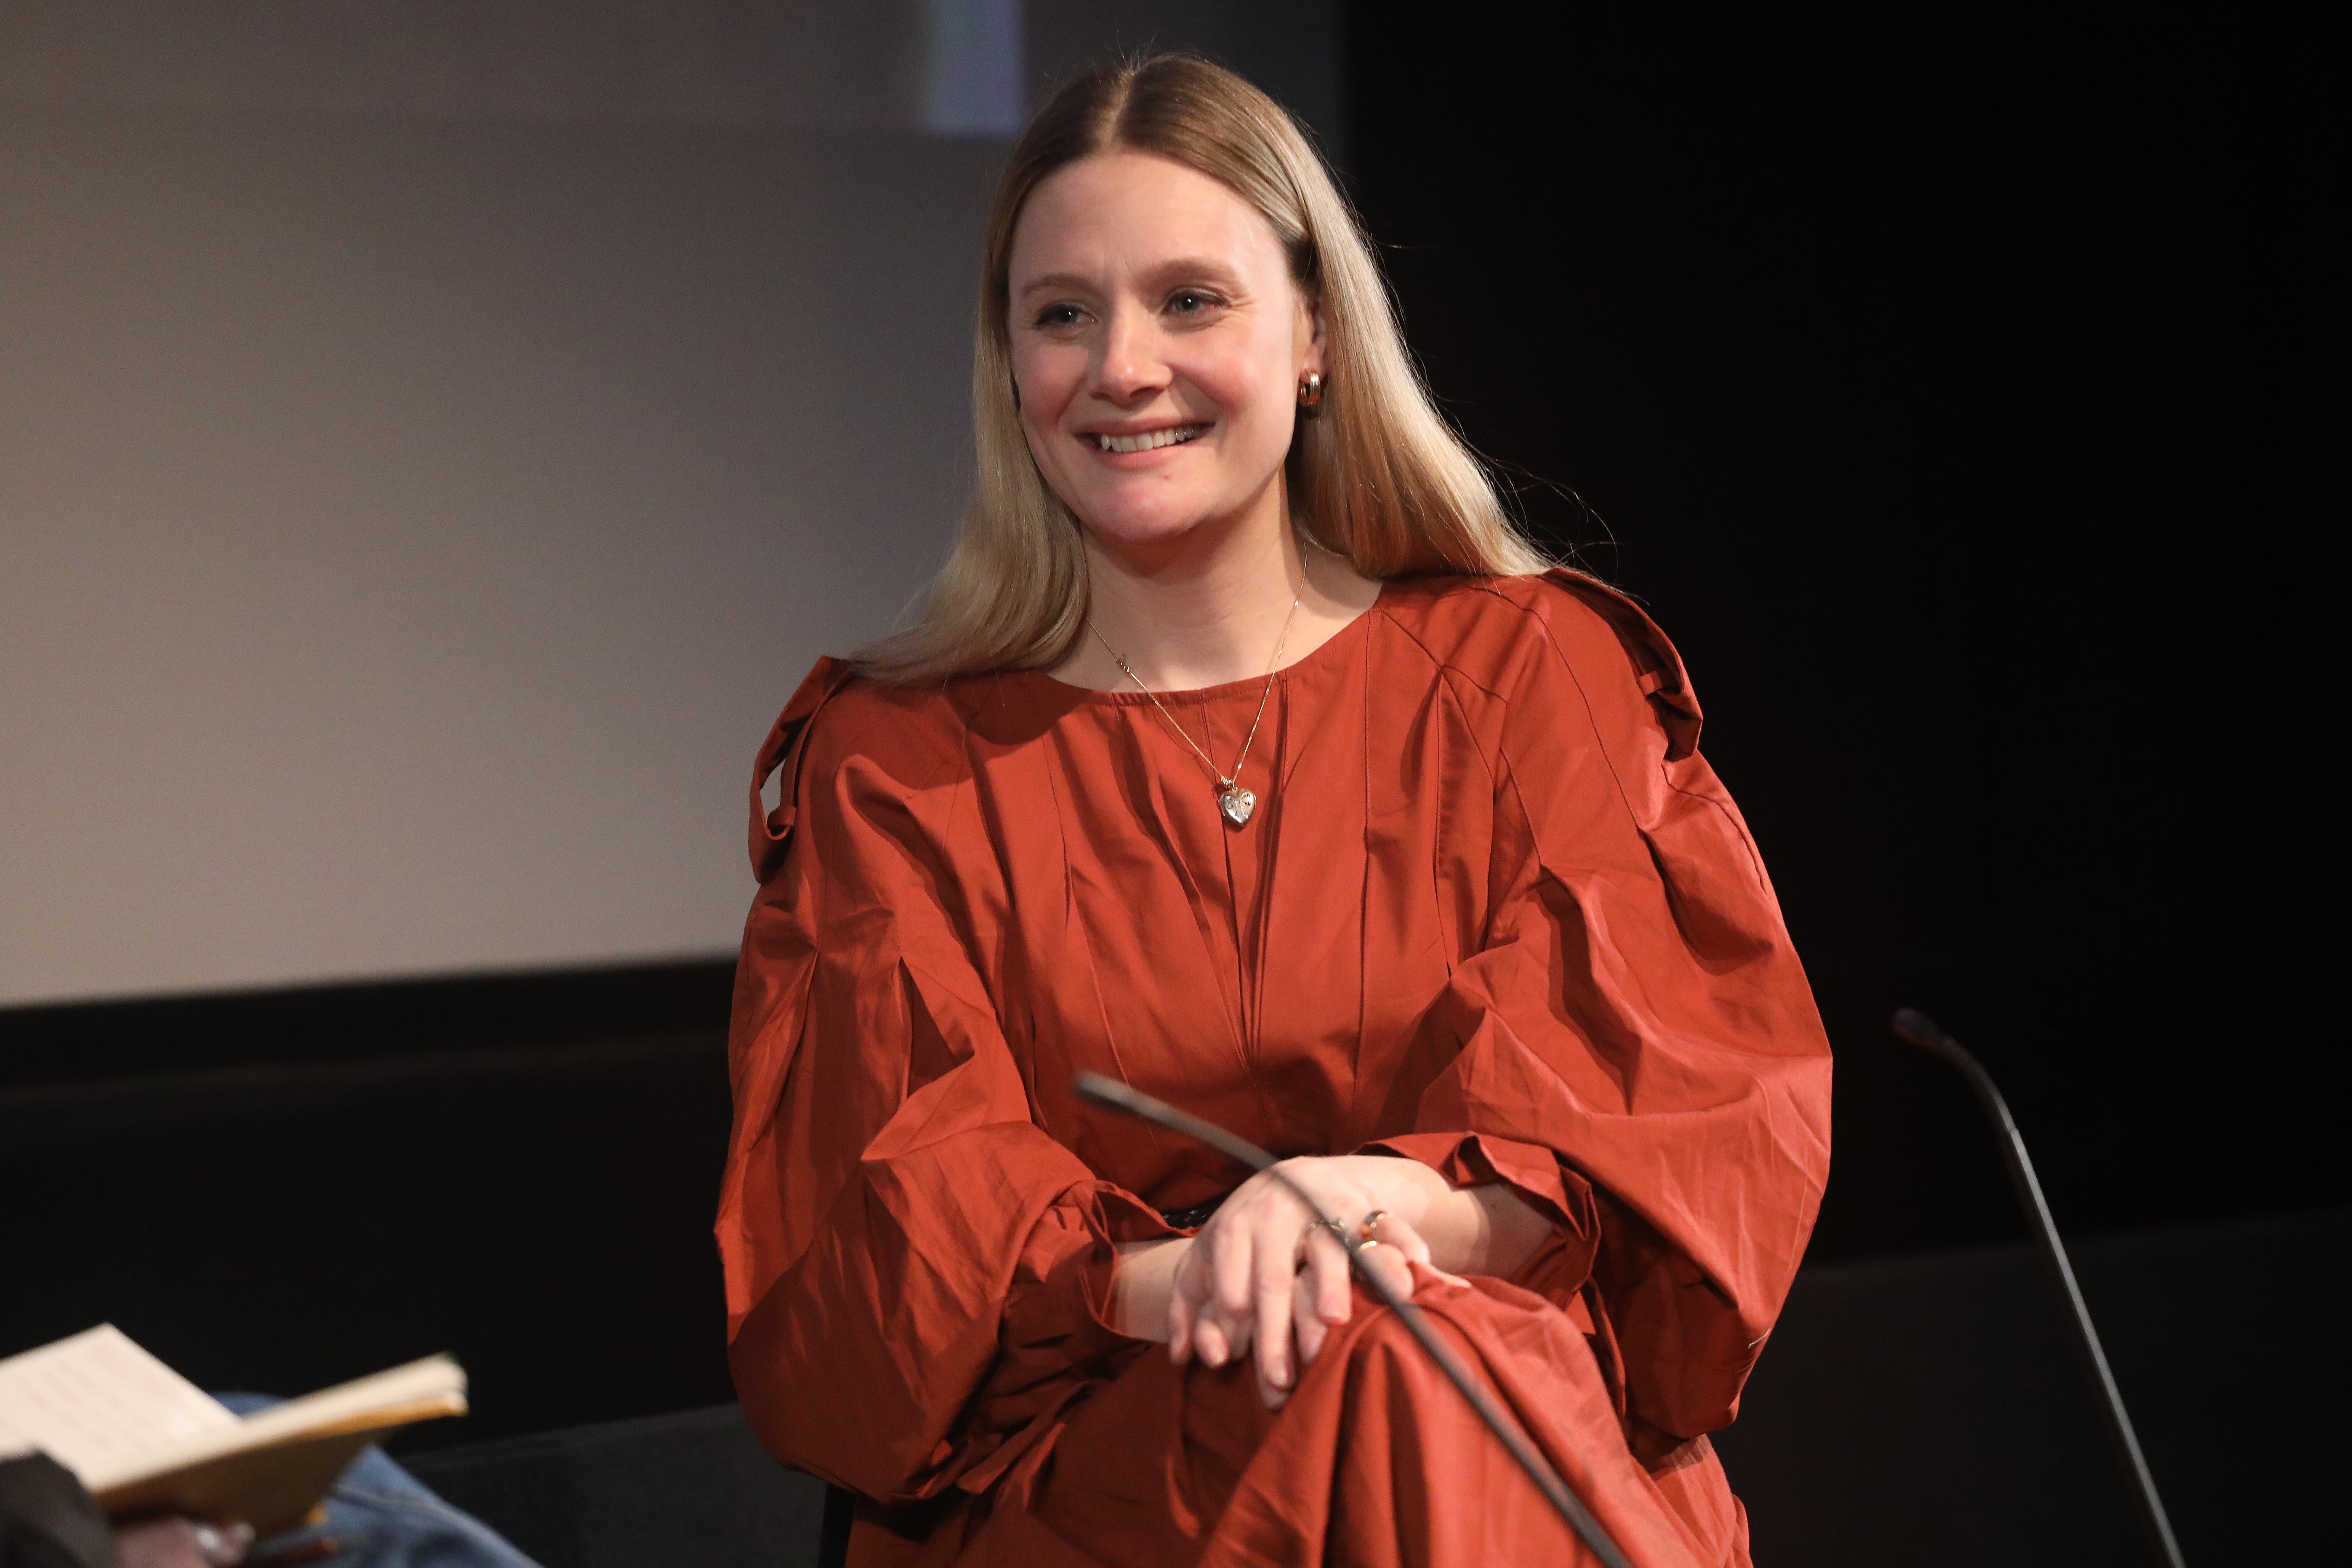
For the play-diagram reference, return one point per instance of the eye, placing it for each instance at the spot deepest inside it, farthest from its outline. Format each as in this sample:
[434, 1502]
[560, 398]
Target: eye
[1192, 302]
[1054, 317]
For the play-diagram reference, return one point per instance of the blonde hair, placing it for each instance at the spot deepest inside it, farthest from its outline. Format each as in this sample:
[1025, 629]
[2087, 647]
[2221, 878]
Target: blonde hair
[1376, 476]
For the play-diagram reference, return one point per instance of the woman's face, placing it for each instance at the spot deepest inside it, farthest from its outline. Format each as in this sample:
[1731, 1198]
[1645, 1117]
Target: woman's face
[1158, 344]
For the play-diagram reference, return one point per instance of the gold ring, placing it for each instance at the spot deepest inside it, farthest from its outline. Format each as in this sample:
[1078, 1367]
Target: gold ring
[1364, 1236]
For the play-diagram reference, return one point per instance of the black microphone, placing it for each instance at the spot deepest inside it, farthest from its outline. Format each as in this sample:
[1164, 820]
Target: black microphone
[1119, 1096]
[1920, 1030]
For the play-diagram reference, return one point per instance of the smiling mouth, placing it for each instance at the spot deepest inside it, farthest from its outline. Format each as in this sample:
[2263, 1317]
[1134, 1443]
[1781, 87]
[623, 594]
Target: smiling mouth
[1174, 435]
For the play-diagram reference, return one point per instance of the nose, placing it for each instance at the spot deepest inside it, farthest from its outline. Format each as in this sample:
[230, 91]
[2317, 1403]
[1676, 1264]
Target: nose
[1129, 366]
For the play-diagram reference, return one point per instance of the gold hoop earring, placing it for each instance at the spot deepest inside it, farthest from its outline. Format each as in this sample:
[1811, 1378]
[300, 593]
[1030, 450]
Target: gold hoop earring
[1310, 391]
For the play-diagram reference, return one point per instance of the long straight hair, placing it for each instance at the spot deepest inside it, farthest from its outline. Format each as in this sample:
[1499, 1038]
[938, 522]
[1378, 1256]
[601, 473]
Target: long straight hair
[1376, 476]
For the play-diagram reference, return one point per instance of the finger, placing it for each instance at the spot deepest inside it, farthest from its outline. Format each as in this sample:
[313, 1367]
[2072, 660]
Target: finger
[1208, 1340]
[1324, 1298]
[1233, 1334]
[1388, 1265]
[1278, 1283]
[223, 1545]
[1398, 1233]
[1274, 1398]
[1408, 1241]
[1180, 1314]
[1241, 1331]
[1230, 1259]
[1335, 1301]
[1307, 1329]
[1188, 1301]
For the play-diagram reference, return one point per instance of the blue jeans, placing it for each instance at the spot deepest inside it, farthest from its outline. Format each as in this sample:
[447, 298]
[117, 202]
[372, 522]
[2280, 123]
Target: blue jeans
[380, 1516]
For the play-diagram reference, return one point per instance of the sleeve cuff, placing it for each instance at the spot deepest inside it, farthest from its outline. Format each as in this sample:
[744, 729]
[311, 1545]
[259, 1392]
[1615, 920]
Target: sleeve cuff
[1476, 1159]
[1058, 1314]
[1055, 1335]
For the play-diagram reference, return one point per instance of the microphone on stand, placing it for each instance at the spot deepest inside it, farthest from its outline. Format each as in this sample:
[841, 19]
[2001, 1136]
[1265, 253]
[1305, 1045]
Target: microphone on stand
[1118, 1096]
[1920, 1030]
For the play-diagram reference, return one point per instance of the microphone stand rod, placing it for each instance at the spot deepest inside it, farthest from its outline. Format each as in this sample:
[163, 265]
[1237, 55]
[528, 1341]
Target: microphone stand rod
[1921, 1030]
[1109, 1091]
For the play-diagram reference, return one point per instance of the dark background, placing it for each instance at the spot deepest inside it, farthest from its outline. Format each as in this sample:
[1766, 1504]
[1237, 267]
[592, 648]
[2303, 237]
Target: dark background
[1949, 383]
[1951, 386]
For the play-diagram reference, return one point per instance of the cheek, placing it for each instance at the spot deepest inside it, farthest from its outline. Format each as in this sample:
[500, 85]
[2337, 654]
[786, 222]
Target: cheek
[1044, 390]
[1249, 376]
[1048, 377]
[1251, 394]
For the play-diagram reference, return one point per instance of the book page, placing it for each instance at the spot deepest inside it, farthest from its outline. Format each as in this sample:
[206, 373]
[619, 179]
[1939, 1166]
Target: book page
[436, 1381]
[99, 1406]
[417, 1392]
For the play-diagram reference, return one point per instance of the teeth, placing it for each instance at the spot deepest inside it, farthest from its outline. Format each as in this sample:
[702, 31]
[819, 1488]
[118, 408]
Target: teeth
[1147, 442]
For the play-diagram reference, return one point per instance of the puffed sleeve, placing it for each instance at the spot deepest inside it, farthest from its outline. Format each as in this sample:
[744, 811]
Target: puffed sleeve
[1634, 1045]
[916, 1275]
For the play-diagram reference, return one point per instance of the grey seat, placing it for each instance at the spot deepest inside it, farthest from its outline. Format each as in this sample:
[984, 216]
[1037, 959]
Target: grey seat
[693, 1489]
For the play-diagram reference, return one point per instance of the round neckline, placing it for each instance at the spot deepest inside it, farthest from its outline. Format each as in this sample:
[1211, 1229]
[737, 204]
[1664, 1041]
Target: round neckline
[1249, 686]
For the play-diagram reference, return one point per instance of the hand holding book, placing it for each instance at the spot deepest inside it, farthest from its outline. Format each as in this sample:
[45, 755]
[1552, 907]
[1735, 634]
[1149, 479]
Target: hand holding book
[146, 1442]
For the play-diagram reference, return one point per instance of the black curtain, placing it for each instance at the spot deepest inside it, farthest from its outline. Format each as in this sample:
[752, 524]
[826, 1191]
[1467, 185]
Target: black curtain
[1952, 385]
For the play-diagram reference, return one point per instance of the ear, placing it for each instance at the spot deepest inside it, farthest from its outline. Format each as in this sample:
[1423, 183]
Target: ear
[1310, 309]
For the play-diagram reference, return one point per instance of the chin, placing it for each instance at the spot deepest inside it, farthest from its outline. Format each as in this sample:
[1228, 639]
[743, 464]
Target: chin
[1158, 522]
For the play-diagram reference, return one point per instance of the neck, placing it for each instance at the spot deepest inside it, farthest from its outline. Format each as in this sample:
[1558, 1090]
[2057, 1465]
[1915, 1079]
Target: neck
[1203, 609]
[1209, 606]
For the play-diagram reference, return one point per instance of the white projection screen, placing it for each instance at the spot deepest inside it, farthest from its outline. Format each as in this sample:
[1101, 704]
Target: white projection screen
[435, 438]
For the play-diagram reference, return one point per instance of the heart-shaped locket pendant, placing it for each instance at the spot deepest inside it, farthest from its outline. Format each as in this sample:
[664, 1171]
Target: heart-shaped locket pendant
[1238, 803]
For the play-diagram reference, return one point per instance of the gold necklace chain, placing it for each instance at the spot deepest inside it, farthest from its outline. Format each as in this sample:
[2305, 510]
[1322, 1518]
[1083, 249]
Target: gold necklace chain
[1235, 802]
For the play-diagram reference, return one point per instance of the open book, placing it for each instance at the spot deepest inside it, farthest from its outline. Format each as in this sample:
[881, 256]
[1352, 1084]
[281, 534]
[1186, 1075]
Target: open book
[145, 1440]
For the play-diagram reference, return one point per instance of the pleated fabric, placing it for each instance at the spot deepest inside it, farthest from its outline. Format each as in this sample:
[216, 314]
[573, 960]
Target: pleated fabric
[1494, 913]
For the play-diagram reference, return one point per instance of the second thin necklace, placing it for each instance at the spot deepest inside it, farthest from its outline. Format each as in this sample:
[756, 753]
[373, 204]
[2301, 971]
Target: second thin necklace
[1235, 802]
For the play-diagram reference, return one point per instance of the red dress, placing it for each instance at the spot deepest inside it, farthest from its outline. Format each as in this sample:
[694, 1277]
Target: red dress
[1494, 913]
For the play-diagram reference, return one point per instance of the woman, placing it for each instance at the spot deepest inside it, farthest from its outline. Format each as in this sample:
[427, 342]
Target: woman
[1245, 752]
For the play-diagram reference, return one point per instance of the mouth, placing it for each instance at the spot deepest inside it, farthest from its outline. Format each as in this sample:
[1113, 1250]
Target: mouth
[1148, 440]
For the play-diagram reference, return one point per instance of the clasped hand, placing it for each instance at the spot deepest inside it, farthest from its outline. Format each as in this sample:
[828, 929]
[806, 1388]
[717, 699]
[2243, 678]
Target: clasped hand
[1262, 1276]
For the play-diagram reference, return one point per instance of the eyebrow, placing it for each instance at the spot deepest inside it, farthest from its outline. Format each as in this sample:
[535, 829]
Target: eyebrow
[1200, 266]
[1056, 280]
